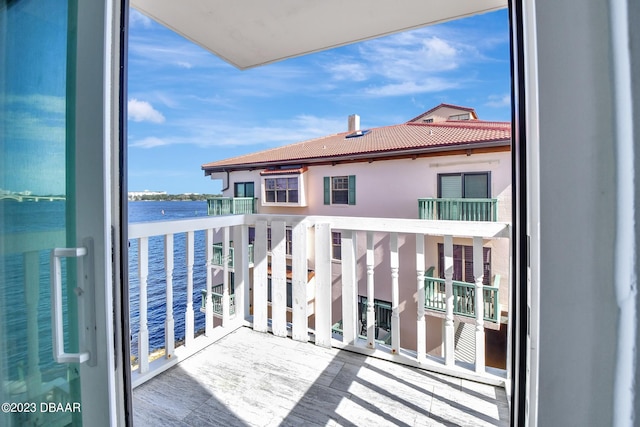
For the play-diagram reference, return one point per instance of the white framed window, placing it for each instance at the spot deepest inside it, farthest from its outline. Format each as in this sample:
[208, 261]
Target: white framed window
[340, 190]
[283, 190]
[464, 116]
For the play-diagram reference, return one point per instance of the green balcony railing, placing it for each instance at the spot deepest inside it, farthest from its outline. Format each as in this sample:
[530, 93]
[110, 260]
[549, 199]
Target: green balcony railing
[216, 299]
[231, 205]
[218, 259]
[458, 209]
[464, 298]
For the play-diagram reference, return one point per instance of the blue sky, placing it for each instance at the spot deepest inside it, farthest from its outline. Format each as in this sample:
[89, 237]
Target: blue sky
[188, 107]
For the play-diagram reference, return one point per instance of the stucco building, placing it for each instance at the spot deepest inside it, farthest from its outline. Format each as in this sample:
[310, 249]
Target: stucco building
[445, 164]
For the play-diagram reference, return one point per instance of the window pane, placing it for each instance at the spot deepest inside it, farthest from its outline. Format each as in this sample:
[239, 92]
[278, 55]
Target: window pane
[281, 196]
[293, 196]
[270, 184]
[238, 189]
[340, 182]
[340, 197]
[293, 183]
[476, 186]
[249, 190]
[281, 183]
[450, 186]
[270, 195]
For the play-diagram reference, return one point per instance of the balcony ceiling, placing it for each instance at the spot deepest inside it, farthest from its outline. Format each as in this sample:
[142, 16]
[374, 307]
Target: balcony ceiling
[249, 33]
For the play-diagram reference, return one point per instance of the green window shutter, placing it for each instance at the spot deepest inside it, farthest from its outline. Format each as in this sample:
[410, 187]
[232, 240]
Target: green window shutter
[327, 190]
[352, 189]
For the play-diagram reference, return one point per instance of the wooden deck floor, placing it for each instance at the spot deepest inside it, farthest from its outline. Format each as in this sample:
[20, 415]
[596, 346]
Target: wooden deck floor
[254, 379]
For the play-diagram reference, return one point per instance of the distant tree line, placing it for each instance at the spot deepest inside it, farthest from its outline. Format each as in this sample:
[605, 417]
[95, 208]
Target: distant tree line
[173, 197]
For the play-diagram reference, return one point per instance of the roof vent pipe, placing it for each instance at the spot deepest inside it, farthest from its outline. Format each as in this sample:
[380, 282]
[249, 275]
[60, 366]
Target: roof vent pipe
[354, 123]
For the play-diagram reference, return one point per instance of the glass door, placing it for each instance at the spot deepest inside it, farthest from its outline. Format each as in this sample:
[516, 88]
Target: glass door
[54, 344]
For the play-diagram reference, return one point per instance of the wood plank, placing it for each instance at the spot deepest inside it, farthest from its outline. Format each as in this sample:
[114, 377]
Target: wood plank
[278, 278]
[299, 281]
[323, 284]
[260, 278]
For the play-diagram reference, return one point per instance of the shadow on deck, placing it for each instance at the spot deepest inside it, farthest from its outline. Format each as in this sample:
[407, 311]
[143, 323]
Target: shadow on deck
[256, 379]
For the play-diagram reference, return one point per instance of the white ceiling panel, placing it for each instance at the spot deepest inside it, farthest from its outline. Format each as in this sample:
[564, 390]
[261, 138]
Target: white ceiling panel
[249, 33]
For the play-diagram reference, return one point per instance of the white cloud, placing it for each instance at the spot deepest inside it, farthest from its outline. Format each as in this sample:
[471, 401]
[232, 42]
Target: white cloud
[412, 87]
[141, 111]
[498, 101]
[137, 19]
[184, 64]
[354, 71]
[150, 142]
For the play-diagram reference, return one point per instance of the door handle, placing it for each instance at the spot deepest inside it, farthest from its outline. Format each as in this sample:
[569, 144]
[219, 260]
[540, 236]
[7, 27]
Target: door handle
[86, 305]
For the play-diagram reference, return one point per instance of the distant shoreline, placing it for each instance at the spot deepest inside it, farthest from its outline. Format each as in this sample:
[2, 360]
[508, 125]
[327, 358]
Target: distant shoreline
[173, 197]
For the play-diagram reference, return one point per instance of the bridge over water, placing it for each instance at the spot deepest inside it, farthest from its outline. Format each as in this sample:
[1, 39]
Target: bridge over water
[30, 198]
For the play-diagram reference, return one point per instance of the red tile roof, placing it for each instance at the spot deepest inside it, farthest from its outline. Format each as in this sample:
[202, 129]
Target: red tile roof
[406, 138]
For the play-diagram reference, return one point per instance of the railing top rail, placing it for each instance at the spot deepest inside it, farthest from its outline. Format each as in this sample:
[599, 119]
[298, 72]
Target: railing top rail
[487, 230]
[463, 284]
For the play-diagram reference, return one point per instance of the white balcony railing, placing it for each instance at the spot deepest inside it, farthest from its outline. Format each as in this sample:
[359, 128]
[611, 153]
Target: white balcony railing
[253, 308]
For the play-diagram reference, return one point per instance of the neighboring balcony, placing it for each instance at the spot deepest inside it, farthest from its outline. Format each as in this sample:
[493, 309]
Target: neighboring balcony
[231, 206]
[464, 298]
[218, 257]
[458, 209]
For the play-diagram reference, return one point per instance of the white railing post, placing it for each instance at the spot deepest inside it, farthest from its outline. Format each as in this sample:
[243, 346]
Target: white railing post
[32, 297]
[208, 301]
[241, 268]
[300, 278]
[189, 315]
[349, 287]
[478, 273]
[395, 294]
[169, 323]
[143, 332]
[421, 327]
[323, 285]
[260, 278]
[278, 279]
[226, 259]
[449, 333]
[371, 313]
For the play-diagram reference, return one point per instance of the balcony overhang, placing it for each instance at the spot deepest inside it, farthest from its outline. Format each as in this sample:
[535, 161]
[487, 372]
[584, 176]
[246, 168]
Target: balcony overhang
[249, 33]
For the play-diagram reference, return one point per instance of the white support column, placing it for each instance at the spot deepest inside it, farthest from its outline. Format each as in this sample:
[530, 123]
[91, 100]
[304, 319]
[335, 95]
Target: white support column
[421, 326]
[169, 323]
[32, 299]
[478, 272]
[449, 332]
[300, 273]
[226, 259]
[371, 313]
[208, 302]
[278, 279]
[189, 315]
[349, 287]
[395, 293]
[323, 285]
[241, 268]
[260, 278]
[143, 332]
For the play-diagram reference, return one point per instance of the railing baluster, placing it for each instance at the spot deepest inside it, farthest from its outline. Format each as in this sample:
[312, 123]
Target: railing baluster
[449, 332]
[478, 271]
[421, 327]
[349, 286]
[300, 277]
[371, 314]
[395, 294]
[260, 277]
[323, 284]
[278, 279]
[225, 276]
[143, 333]
[169, 324]
[189, 314]
[208, 308]
[241, 268]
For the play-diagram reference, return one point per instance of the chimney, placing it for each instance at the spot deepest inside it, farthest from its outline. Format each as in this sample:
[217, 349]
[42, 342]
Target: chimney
[354, 123]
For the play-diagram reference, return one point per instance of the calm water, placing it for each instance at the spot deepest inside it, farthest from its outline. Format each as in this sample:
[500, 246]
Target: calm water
[156, 281]
[36, 217]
